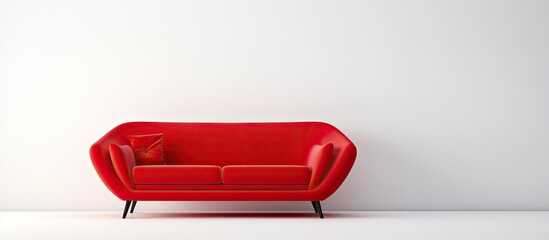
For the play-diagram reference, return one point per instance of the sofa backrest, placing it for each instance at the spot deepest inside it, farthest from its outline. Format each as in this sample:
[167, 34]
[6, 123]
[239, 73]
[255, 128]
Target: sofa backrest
[234, 143]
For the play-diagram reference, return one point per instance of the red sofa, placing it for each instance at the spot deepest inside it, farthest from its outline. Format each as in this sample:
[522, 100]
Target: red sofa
[291, 161]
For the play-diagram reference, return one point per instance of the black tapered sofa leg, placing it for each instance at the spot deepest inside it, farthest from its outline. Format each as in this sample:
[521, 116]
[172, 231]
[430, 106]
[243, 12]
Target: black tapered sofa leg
[314, 206]
[318, 208]
[126, 209]
[133, 206]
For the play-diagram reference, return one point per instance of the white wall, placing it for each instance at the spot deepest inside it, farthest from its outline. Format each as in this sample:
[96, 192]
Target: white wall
[447, 101]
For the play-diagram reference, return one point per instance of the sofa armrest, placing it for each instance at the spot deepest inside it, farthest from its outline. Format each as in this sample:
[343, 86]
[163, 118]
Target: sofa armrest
[123, 160]
[319, 160]
[344, 158]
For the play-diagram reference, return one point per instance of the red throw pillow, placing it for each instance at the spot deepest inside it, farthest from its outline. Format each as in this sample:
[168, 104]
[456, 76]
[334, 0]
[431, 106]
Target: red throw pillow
[148, 149]
[320, 160]
[123, 160]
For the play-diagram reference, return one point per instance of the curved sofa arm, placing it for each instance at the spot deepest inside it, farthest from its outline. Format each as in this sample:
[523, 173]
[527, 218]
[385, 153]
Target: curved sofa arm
[344, 160]
[101, 160]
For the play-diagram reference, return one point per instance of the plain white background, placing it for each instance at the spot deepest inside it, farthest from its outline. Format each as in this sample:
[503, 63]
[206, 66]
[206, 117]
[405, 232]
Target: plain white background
[391, 225]
[447, 101]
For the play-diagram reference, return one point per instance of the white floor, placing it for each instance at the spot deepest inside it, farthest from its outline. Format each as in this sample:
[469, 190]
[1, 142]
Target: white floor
[287, 226]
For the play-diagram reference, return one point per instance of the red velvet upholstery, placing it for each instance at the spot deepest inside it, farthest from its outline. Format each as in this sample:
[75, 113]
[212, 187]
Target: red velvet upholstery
[266, 174]
[177, 174]
[224, 144]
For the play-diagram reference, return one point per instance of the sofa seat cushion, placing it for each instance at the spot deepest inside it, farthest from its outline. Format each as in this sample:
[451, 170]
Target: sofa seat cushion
[262, 187]
[177, 174]
[266, 174]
